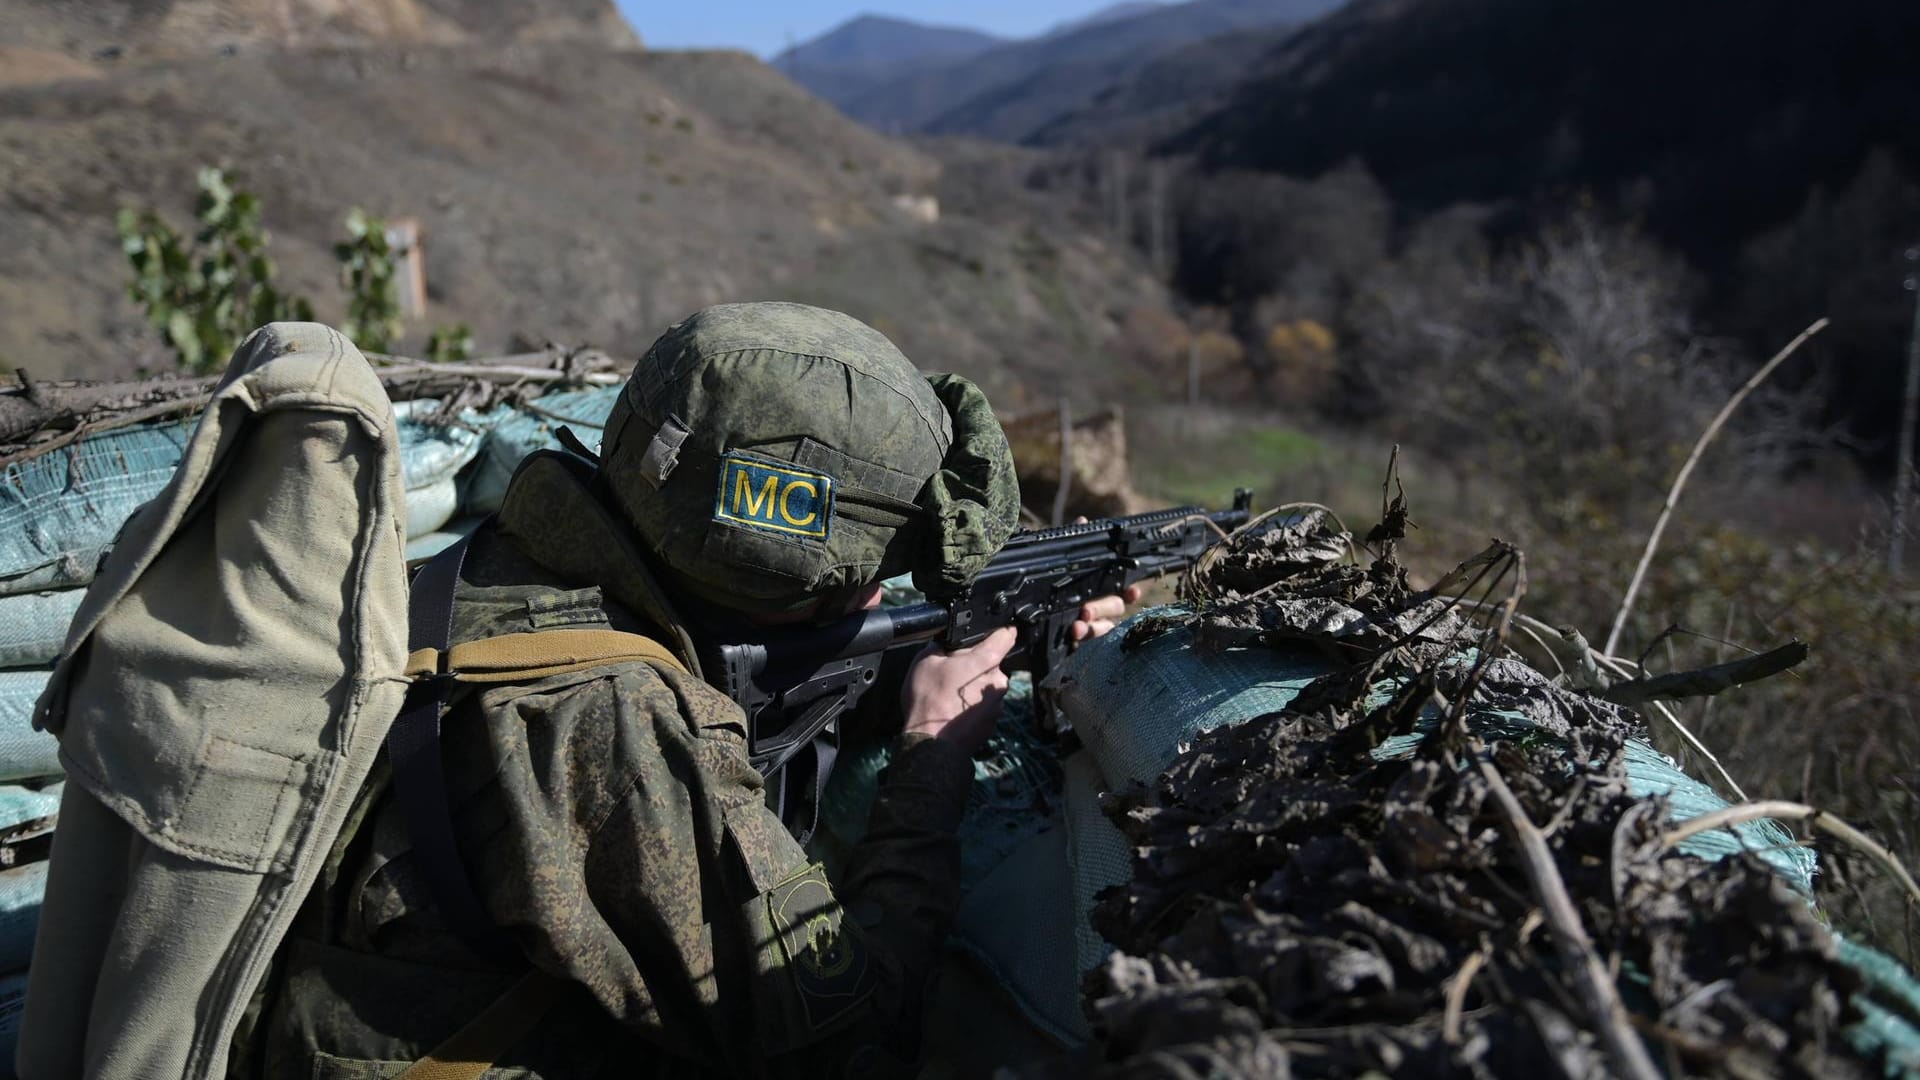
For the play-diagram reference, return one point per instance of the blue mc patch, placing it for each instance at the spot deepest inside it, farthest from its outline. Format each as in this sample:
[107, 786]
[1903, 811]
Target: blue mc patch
[775, 497]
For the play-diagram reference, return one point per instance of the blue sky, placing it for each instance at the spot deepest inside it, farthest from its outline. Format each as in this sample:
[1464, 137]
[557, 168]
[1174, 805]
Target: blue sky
[763, 26]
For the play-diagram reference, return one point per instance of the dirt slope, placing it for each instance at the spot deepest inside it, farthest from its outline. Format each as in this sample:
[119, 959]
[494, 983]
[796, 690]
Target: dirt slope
[139, 30]
[566, 193]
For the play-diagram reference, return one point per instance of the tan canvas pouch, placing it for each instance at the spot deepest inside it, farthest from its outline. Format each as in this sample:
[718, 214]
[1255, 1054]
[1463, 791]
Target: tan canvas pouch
[224, 690]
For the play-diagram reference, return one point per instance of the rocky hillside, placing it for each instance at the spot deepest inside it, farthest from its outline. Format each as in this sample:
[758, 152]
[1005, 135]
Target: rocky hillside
[119, 30]
[571, 193]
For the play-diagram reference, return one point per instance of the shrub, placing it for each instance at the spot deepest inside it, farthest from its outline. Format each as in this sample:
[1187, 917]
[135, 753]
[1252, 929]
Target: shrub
[203, 295]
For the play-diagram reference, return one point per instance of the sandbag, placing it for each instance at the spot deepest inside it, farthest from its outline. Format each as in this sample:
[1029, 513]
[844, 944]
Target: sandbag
[1135, 708]
[59, 511]
[33, 626]
[431, 457]
[422, 548]
[13, 1002]
[512, 434]
[24, 752]
[21, 890]
[25, 808]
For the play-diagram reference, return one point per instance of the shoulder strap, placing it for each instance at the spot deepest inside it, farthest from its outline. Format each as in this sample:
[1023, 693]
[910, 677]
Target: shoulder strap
[524, 657]
[413, 749]
[470, 1052]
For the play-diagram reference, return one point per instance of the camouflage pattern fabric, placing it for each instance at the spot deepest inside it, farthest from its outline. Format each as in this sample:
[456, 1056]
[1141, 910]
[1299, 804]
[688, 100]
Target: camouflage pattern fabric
[614, 827]
[772, 452]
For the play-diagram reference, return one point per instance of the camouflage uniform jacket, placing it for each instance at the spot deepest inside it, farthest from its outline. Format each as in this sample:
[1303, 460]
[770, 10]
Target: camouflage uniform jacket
[614, 828]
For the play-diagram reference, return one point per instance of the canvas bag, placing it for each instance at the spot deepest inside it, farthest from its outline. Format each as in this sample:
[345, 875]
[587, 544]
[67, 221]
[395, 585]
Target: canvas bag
[224, 689]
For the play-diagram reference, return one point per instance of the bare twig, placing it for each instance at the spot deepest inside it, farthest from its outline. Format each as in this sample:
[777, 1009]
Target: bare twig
[501, 371]
[83, 409]
[1792, 811]
[1598, 994]
[1708, 681]
[1544, 647]
[1196, 587]
[1623, 669]
[127, 419]
[1457, 993]
[1673, 721]
[1686, 471]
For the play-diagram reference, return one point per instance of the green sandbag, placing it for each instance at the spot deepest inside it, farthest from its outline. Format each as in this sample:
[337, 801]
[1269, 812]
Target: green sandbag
[431, 458]
[1135, 709]
[22, 806]
[22, 888]
[13, 1002]
[33, 626]
[60, 511]
[512, 434]
[24, 752]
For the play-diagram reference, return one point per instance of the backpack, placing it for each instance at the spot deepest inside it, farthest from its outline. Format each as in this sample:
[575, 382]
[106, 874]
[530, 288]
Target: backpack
[243, 654]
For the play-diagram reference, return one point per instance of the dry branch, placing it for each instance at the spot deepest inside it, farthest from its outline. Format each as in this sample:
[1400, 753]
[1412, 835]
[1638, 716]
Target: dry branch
[1598, 994]
[38, 417]
[1708, 681]
[1793, 811]
[1686, 471]
[1606, 665]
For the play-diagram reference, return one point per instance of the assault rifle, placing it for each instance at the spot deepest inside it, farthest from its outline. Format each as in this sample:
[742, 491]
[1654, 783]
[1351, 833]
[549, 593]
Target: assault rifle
[798, 685]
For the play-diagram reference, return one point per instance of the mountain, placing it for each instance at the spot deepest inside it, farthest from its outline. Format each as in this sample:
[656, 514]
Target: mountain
[1127, 9]
[565, 191]
[1011, 91]
[146, 29]
[848, 61]
[1166, 95]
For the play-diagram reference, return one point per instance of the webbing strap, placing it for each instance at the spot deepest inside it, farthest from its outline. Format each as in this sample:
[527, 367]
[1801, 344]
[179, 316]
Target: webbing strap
[524, 657]
[413, 749]
[470, 1052]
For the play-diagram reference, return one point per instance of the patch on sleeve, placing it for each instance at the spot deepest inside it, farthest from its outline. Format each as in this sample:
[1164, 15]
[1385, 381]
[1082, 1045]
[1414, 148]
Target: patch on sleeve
[822, 950]
[773, 496]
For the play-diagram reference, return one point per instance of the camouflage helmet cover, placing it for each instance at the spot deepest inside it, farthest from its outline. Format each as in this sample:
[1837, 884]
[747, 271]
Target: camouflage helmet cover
[770, 452]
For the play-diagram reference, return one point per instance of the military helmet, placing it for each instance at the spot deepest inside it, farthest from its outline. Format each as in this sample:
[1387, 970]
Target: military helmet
[769, 453]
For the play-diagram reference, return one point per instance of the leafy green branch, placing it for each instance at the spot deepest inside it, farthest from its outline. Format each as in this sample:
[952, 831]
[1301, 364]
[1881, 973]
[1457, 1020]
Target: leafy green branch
[206, 293]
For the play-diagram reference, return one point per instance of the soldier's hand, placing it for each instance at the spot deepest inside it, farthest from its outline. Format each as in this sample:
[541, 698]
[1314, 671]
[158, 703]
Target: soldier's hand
[1099, 615]
[956, 695]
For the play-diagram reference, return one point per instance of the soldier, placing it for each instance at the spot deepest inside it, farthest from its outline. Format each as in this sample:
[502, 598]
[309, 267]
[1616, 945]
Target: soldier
[766, 462]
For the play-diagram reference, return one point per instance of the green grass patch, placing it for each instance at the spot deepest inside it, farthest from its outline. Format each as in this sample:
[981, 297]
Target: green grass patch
[1204, 467]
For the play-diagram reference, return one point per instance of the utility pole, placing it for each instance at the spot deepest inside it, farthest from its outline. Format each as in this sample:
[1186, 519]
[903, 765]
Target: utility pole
[1193, 370]
[1909, 420]
[1157, 219]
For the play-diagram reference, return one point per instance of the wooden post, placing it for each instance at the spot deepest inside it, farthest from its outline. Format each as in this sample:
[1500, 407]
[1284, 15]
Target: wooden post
[1157, 223]
[1193, 371]
[410, 266]
[1903, 478]
[1066, 464]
